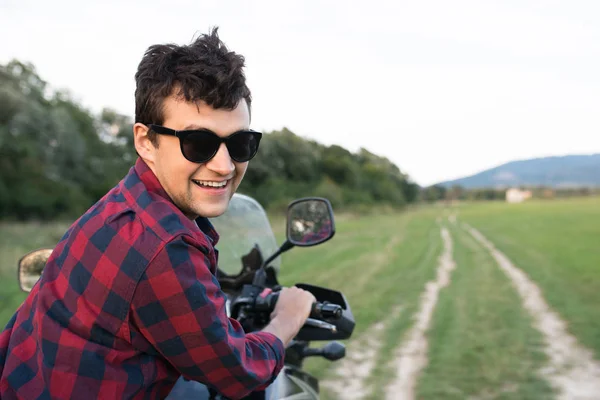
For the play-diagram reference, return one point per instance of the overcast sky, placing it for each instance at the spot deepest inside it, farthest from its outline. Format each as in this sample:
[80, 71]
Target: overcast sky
[442, 88]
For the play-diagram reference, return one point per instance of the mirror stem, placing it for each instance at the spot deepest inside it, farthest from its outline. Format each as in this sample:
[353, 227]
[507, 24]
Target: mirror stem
[260, 276]
[284, 247]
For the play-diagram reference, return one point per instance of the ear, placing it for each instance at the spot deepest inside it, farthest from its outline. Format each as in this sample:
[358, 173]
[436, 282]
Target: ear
[144, 147]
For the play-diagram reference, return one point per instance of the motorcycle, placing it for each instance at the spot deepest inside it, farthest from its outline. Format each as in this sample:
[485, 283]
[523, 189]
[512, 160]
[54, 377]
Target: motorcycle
[252, 290]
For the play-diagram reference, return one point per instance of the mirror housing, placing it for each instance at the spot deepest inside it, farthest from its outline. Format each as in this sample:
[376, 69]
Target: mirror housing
[310, 221]
[31, 267]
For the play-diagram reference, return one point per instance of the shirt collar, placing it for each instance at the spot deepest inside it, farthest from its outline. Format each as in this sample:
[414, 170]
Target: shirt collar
[153, 186]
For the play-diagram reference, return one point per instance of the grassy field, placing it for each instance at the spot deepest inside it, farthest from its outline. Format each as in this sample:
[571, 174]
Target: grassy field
[481, 343]
[557, 243]
[379, 263]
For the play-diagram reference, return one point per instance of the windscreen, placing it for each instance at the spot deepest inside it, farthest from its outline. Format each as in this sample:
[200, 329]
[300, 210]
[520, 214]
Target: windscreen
[243, 225]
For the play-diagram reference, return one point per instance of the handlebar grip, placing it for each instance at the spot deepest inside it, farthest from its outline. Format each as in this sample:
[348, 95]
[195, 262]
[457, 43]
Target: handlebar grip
[319, 310]
[326, 310]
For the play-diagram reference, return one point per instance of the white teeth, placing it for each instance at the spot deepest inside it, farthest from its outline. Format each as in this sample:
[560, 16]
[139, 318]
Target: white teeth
[212, 184]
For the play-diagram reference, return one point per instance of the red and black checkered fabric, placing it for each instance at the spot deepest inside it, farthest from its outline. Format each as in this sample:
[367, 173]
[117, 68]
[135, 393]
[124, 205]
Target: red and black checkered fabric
[127, 303]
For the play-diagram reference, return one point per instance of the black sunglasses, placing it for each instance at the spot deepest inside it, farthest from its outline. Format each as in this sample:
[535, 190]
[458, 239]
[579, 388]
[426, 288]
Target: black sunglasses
[201, 145]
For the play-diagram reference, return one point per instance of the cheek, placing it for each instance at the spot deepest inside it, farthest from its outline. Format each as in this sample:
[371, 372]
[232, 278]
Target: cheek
[240, 171]
[176, 170]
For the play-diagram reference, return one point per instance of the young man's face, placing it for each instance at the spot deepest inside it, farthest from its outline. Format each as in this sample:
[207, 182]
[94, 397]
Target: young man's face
[181, 178]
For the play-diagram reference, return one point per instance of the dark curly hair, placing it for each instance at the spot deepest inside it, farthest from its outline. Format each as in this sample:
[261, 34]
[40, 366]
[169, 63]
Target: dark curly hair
[204, 70]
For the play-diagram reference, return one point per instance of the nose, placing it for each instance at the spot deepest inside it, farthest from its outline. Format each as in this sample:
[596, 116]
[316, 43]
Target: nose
[221, 163]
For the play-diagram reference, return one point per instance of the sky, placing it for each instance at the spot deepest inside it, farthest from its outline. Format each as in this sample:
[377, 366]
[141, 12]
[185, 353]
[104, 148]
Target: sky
[444, 89]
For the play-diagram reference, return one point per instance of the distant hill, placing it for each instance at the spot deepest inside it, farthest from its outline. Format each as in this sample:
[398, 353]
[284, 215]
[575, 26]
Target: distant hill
[558, 172]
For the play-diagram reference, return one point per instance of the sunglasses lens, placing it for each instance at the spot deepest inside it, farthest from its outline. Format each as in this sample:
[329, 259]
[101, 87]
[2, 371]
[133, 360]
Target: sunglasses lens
[200, 146]
[243, 145]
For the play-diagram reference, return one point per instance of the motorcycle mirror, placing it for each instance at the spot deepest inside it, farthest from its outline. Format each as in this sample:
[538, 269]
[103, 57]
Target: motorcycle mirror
[31, 266]
[310, 221]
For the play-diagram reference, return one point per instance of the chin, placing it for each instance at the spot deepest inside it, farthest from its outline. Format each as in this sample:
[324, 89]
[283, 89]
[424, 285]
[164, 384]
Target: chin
[212, 210]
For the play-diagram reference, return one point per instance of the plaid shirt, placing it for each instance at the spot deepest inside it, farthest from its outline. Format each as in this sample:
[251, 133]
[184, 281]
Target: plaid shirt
[127, 303]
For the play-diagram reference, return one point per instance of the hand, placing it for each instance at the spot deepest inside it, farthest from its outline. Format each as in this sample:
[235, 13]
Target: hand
[291, 311]
[294, 304]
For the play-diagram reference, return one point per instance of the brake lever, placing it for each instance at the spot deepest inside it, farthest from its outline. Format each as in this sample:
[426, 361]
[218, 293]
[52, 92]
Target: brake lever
[321, 324]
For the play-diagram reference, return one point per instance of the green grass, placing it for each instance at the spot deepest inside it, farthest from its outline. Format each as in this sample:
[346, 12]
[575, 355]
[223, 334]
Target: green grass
[481, 342]
[557, 243]
[378, 262]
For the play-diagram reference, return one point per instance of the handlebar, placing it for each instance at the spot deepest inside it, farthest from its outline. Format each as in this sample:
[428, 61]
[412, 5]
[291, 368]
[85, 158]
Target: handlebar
[325, 310]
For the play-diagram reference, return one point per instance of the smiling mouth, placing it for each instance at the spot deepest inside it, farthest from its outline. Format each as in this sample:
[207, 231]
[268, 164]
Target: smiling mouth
[211, 184]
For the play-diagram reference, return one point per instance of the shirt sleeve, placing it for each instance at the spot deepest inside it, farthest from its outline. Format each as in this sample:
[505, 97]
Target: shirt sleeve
[179, 308]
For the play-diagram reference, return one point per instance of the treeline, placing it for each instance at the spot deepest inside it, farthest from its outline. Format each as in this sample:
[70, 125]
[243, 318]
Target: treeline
[440, 193]
[53, 159]
[437, 193]
[57, 159]
[288, 166]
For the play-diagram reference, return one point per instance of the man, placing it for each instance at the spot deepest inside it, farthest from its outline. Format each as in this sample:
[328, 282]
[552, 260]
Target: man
[128, 301]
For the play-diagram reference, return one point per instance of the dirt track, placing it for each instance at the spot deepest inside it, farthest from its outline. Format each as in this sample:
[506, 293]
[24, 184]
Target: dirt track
[412, 355]
[352, 372]
[571, 370]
